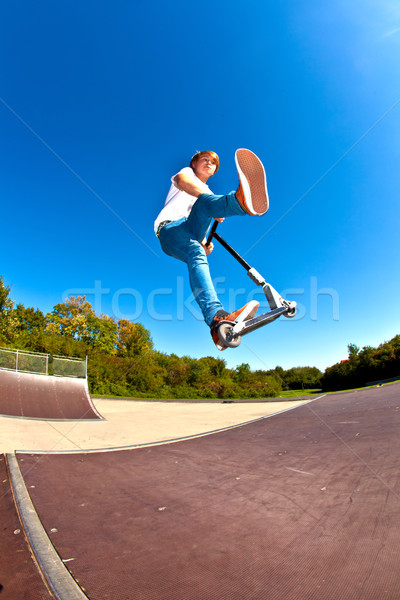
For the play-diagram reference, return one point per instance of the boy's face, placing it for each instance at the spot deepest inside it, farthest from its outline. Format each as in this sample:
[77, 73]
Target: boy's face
[205, 167]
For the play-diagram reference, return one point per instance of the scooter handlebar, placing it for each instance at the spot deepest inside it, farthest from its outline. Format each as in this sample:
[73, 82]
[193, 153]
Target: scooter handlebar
[211, 232]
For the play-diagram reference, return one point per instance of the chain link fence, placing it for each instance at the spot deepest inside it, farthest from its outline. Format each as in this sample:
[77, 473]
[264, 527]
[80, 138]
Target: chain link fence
[43, 364]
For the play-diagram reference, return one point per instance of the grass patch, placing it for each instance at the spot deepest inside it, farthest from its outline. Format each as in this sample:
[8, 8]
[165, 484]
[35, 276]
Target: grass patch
[295, 393]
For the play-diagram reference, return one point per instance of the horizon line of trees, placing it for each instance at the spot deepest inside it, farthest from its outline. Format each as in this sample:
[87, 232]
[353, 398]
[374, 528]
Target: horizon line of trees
[363, 366]
[122, 359]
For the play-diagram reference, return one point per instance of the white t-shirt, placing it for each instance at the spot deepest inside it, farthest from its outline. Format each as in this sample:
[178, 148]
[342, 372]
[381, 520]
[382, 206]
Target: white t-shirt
[178, 203]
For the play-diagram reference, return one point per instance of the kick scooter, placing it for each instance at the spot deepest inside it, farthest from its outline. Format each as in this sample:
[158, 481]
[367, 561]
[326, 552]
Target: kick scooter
[230, 332]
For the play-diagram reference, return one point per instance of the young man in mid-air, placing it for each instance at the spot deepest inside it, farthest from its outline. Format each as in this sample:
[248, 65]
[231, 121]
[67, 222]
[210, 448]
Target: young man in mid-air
[189, 209]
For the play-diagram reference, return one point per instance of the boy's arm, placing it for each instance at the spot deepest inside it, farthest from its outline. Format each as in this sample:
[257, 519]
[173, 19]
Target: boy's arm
[186, 184]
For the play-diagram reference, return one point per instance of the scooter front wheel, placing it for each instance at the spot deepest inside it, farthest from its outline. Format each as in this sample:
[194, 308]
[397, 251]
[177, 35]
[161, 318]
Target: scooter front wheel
[228, 336]
[291, 312]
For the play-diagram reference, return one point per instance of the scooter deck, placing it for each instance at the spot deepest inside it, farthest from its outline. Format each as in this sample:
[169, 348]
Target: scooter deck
[230, 332]
[252, 324]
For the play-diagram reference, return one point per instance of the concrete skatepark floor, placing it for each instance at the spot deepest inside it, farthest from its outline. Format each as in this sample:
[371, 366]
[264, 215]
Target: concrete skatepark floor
[303, 504]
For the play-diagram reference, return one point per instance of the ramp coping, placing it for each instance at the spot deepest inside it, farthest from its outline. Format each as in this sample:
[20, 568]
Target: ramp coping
[57, 576]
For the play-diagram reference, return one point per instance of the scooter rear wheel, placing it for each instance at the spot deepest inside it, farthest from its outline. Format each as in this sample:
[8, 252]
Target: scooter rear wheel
[228, 336]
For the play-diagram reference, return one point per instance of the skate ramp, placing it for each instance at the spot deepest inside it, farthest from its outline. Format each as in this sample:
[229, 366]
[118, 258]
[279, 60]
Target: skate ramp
[45, 397]
[303, 505]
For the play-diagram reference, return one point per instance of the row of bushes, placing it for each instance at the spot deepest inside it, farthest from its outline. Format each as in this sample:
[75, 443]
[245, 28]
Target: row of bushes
[159, 375]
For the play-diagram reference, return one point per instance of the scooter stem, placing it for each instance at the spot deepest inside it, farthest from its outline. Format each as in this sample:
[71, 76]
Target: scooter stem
[225, 244]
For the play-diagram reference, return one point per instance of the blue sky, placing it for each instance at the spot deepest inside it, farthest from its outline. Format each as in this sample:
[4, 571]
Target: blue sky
[102, 102]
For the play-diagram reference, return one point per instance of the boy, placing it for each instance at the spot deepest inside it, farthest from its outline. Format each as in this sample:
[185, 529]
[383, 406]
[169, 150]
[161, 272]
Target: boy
[189, 209]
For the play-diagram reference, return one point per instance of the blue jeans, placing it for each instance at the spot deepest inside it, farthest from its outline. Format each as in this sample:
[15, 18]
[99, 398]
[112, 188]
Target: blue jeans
[182, 240]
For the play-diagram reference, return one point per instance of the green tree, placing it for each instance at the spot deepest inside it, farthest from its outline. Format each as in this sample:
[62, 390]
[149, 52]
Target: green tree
[243, 375]
[6, 303]
[101, 334]
[30, 320]
[76, 319]
[300, 378]
[353, 351]
[70, 318]
[7, 322]
[133, 339]
[363, 366]
[28, 327]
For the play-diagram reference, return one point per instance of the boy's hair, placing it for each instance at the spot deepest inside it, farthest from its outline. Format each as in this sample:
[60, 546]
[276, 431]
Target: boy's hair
[198, 155]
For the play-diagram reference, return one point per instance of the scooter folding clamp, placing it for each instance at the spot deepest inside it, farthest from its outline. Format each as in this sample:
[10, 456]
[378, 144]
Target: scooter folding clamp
[256, 277]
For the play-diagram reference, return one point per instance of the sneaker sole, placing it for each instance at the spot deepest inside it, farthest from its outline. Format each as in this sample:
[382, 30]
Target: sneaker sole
[253, 180]
[218, 343]
[248, 313]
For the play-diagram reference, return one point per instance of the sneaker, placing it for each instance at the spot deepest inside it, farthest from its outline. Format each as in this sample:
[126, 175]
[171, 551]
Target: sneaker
[242, 314]
[252, 192]
[220, 316]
